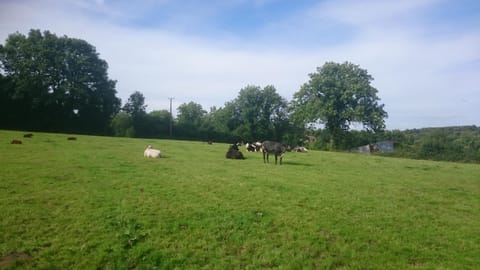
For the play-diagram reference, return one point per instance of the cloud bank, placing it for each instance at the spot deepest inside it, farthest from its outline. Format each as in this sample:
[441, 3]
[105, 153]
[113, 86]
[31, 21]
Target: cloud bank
[426, 65]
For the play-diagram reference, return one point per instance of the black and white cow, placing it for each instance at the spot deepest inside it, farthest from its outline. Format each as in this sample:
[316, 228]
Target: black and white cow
[276, 148]
[254, 147]
[250, 147]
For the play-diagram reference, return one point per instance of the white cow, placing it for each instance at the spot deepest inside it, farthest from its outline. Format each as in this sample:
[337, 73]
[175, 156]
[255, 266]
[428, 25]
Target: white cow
[300, 149]
[151, 153]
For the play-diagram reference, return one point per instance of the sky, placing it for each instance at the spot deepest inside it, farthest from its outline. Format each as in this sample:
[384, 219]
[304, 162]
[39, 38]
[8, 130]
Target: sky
[424, 55]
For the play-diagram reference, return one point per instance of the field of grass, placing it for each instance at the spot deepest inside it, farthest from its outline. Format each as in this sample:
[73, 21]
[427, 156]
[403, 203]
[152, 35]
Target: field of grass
[97, 203]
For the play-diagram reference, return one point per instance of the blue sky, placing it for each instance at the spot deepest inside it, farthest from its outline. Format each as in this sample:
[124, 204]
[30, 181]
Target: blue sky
[424, 55]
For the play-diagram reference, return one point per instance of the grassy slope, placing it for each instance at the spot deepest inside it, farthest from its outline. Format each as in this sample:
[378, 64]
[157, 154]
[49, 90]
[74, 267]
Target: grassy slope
[97, 203]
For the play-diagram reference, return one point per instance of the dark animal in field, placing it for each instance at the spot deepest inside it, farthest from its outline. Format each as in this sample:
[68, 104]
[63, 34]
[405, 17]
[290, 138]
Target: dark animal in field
[28, 135]
[276, 148]
[72, 138]
[16, 142]
[234, 153]
[210, 142]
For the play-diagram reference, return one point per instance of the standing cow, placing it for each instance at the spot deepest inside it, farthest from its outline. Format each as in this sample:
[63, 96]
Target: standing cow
[276, 148]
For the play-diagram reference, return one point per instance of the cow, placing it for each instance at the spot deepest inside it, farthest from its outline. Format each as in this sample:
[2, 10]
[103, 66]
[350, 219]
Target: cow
[152, 153]
[250, 147]
[276, 148]
[300, 149]
[234, 153]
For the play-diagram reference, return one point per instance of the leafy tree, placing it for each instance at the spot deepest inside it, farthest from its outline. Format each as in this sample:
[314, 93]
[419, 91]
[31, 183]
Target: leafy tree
[8, 107]
[189, 119]
[58, 83]
[215, 124]
[339, 95]
[135, 107]
[258, 114]
[159, 123]
[122, 125]
[190, 114]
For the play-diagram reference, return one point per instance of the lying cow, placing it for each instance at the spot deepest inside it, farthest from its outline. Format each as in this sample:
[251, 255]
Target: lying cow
[152, 153]
[276, 148]
[234, 153]
[300, 149]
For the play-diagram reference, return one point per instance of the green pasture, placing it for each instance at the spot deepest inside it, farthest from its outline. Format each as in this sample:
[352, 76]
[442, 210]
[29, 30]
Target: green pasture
[97, 203]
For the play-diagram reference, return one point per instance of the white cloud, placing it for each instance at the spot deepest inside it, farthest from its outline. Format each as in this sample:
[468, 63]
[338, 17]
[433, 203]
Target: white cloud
[424, 80]
[368, 12]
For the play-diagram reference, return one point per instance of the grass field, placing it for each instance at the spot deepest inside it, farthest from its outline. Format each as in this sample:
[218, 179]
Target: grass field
[97, 203]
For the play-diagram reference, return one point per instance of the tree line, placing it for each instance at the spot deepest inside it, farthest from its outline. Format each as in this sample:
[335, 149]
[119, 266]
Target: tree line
[60, 84]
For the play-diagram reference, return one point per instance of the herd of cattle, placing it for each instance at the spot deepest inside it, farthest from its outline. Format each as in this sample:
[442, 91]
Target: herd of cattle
[267, 148]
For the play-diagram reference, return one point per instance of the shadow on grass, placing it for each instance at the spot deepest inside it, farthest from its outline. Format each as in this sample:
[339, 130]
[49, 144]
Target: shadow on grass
[288, 163]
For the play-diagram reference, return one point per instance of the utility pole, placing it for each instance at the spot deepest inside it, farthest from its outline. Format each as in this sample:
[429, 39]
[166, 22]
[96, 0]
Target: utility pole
[171, 116]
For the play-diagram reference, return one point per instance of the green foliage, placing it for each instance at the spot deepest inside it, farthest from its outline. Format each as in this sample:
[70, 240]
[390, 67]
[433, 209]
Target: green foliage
[56, 83]
[97, 203]
[339, 95]
[190, 114]
[135, 105]
[258, 114]
[461, 144]
[449, 143]
[189, 119]
[122, 125]
[129, 231]
[159, 123]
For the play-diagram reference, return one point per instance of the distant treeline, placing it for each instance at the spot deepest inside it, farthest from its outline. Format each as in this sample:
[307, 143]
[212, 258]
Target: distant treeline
[448, 143]
[460, 143]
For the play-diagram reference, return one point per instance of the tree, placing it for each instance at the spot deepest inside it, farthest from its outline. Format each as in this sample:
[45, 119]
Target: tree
[122, 125]
[135, 105]
[59, 83]
[190, 118]
[159, 123]
[339, 95]
[135, 108]
[8, 107]
[258, 114]
[215, 124]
